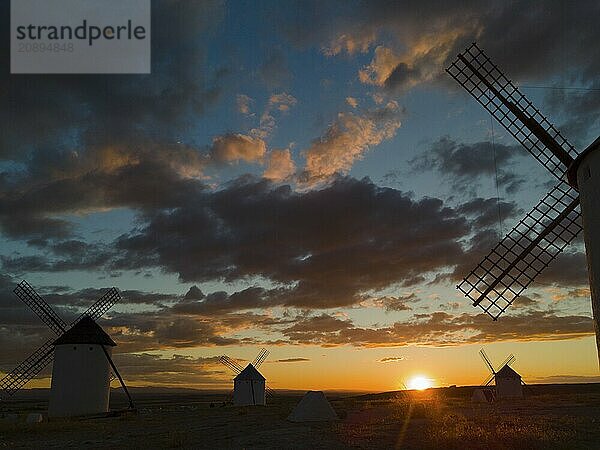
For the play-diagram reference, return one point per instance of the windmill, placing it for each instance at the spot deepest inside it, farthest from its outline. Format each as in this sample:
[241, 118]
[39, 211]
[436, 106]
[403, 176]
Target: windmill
[248, 385]
[82, 358]
[514, 263]
[507, 380]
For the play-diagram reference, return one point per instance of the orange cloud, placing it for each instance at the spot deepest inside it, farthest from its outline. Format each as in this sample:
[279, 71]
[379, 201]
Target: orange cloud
[280, 165]
[235, 147]
[347, 140]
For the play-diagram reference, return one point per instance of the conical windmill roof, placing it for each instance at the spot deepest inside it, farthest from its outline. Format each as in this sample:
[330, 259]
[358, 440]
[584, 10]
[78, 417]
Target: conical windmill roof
[86, 331]
[249, 373]
[507, 372]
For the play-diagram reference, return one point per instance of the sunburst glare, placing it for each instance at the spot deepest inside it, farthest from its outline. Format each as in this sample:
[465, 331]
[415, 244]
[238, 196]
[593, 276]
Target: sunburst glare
[419, 383]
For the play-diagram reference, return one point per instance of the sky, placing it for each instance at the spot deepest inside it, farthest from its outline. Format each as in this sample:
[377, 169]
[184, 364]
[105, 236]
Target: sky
[300, 176]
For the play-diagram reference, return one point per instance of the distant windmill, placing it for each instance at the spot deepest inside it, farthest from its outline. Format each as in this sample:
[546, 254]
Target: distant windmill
[249, 386]
[507, 380]
[82, 358]
[555, 221]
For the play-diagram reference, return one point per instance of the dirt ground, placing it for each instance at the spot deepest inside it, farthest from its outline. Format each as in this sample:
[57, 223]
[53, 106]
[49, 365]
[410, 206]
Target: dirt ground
[551, 417]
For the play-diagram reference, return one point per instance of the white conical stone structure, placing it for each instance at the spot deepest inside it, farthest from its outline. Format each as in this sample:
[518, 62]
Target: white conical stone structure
[81, 371]
[508, 383]
[314, 407]
[249, 387]
[482, 396]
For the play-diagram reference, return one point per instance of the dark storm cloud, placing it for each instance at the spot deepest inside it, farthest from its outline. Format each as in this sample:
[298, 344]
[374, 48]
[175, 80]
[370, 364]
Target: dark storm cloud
[568, 269]
[106, 108]
[221, 302]
[30, 209]
[326, 246]
[487, 212]
[461, 163]
[582, 109]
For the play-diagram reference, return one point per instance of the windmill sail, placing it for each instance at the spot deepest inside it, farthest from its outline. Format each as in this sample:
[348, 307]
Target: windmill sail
[230, 363]
[487, 84]
[39, 306]
[28, 369]
[260, 358]
[487, 361]
[489, 379]
[508, 361]
[101, 306]
[521, 256]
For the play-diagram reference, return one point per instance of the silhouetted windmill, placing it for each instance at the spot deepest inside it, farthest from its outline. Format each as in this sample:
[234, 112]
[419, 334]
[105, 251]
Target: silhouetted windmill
[249, 386]
[82, 358]
[507, 380]
[555, 221]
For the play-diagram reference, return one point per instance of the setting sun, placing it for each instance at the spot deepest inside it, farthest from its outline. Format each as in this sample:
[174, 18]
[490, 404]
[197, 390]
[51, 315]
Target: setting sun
[419, 383]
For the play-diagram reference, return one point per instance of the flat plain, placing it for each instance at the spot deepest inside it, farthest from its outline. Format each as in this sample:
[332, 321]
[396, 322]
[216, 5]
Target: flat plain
[550, 417]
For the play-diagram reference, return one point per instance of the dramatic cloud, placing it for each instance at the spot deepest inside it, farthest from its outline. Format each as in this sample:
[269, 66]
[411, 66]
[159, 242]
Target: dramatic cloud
[98, 108]
[568, 269]
[152, 370]
[237, 147]
[487, 212]
[461, 163]
[419, 39]
[442, 329]
[280, 165]
[34, 206]
[347, 140]
[325, 247]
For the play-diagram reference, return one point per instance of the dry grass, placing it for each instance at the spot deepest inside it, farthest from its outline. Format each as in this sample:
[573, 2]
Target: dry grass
[434, 419]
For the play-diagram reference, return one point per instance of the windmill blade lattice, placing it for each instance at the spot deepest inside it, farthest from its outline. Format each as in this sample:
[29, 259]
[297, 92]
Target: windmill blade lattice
[260, 358]
[521, 256]
[230, 363]
[508, 361]
[487, 361]
[28, 369]
[487, 84]
[101, 306]
[40, 307]
[489, 379]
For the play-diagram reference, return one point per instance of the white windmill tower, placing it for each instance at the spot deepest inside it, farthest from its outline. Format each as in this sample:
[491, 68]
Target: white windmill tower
[249, 386]
[81, 372]
[508, 382]
[555, 221]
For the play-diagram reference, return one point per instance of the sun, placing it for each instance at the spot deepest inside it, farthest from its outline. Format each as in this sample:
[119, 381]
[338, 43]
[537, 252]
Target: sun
[419, 383]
